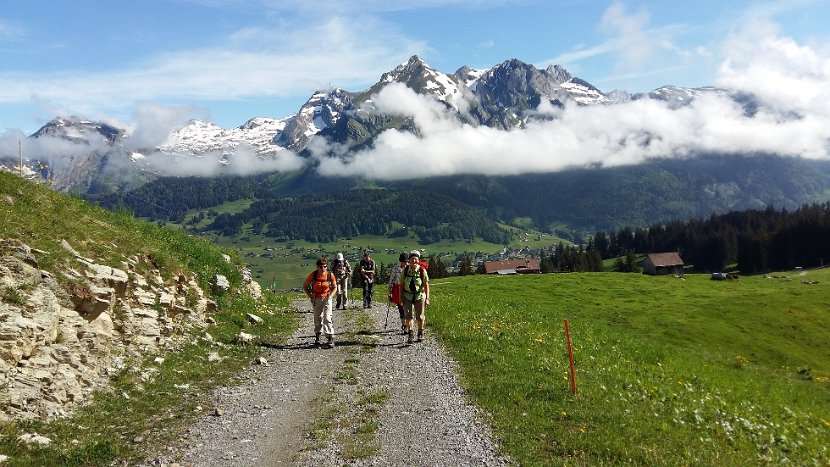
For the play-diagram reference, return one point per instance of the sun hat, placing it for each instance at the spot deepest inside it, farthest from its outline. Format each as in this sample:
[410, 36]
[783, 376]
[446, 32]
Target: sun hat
[415, 253]
[340, 256]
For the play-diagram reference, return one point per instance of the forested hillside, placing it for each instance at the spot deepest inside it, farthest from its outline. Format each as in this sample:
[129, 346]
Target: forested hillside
[170, 198]
[580, 201]
[570, 204]
[325, 217]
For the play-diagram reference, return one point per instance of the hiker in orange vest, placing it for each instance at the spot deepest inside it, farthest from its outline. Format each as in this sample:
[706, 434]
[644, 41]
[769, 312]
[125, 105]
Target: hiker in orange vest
[319, 286]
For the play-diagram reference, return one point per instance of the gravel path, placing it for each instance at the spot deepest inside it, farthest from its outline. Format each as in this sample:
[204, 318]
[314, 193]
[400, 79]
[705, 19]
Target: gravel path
[372, 400]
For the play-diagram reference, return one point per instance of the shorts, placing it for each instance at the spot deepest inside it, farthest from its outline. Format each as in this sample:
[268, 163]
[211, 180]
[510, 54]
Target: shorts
[413, 309]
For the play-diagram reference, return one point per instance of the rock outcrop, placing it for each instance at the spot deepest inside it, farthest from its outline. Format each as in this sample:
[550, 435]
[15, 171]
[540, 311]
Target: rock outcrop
[60, 341]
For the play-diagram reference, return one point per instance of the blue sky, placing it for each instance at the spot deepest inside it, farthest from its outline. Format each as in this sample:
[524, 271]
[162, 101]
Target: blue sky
[226, 61]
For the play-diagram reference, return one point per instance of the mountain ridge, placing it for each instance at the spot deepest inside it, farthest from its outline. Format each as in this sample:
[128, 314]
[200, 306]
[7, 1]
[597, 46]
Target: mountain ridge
[338, 124]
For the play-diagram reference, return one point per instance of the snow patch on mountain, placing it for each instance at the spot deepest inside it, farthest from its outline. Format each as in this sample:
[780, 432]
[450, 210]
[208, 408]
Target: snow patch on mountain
[199, 137]
[469, 76]
[424, 79]
[582, 94]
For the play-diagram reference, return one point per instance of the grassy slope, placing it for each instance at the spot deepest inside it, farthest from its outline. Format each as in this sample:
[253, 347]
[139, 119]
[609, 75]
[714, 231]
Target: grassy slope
[139, 415]
[669, 371]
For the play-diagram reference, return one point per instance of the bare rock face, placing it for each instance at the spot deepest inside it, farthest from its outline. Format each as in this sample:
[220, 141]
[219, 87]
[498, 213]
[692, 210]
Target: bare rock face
[59, 343]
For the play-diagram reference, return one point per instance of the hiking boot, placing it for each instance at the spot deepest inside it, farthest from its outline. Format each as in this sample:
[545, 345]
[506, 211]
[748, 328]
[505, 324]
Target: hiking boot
[420, 335]
[329, 341]
[317, 340]
[403, 330]
[409, 339]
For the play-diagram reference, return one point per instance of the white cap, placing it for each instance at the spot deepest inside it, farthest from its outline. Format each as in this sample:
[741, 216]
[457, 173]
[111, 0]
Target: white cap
[340, 256]
[415, 252]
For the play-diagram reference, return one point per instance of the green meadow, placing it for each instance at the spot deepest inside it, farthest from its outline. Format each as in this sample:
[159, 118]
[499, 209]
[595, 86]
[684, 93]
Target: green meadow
[668, 371]
[285, 264]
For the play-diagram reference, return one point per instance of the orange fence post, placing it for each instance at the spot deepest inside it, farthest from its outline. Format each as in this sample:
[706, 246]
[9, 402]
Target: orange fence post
[570, 357]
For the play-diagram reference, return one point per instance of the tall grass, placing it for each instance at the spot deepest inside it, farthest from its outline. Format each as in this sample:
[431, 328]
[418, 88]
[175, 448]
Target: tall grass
[669, 371]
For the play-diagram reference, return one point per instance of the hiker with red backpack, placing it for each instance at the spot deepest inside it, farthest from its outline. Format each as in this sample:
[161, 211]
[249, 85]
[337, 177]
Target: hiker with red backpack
[395, 288]
[415, 288]
[319, 286]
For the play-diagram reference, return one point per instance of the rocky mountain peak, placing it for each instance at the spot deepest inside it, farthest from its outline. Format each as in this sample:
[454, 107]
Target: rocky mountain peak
[558, 73]
[321, 111]
[417, 75]
[469, 76]
[78, 130]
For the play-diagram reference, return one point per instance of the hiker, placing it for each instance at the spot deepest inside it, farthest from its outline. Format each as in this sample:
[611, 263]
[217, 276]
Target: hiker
[395, 288]
[367, 273]
[415, 287]
[342, 272]
[319, 286]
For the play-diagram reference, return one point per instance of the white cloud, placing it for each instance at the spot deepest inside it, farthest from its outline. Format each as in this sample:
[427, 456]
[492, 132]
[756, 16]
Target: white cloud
[153, 123]
[793, 120]
[314, 7]
[635, 48]
[780, 71]
[243, 161]
[634, 44]
[256, 62]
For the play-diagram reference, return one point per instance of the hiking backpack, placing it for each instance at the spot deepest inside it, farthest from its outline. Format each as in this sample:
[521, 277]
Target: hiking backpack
[329, 275]
[410, 287]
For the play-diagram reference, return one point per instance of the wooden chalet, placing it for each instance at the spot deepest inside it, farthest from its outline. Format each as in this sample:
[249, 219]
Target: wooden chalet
[663, 263]
[513, 266]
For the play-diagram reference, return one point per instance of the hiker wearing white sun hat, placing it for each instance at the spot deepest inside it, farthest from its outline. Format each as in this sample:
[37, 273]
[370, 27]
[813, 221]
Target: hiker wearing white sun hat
[415, 287]
[343, 272]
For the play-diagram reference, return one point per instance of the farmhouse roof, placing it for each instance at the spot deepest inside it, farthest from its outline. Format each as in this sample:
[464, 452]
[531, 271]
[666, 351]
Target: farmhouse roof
[665, 259]
[511, 265]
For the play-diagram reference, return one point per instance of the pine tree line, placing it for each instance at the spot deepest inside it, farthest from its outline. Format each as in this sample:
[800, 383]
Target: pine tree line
[756, 240]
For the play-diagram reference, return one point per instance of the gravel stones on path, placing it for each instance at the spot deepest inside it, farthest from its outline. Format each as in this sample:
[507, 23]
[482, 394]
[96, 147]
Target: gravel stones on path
[372, 400]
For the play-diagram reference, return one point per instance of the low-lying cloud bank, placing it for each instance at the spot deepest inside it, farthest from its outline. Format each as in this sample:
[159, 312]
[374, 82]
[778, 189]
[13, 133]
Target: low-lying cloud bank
[788, 81]
[242, 161]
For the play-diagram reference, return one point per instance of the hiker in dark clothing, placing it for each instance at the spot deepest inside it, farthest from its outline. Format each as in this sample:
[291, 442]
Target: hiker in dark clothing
[367, 273]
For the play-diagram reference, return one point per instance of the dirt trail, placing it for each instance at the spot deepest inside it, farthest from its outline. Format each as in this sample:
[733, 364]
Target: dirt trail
[372, 400]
